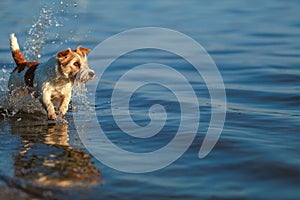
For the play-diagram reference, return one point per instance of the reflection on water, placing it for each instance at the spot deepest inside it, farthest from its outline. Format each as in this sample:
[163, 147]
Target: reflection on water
[46, 158]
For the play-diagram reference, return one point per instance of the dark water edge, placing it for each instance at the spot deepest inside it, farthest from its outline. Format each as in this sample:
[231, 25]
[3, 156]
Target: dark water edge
[11, 193]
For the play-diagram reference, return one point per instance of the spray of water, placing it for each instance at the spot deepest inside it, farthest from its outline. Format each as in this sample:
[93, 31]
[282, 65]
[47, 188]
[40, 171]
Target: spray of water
[35, 42]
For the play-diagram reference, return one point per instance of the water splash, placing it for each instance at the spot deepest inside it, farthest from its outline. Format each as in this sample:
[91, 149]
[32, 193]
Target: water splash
[34, 44]
[13, 105]
[3, 79]
[79, 97]
[80, 102]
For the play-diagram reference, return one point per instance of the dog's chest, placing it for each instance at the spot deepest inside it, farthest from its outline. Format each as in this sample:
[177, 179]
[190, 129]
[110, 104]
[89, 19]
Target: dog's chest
[60, 89]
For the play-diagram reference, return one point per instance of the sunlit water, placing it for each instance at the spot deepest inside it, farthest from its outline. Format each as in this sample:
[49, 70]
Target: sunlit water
[256, 48]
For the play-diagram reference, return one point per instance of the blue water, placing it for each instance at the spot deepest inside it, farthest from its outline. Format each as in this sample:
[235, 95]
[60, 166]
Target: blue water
[256, 47]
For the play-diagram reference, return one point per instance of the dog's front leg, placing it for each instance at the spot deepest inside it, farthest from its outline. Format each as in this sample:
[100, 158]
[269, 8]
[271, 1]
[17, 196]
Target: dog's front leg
[46, 97]
[64, 104]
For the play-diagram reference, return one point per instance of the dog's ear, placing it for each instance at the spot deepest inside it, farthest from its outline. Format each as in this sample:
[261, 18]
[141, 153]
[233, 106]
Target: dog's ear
[63, 54]
[82, 50]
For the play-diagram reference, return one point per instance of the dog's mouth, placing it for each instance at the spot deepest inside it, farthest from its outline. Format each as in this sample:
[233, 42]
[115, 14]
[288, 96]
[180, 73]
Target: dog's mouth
[84, 76]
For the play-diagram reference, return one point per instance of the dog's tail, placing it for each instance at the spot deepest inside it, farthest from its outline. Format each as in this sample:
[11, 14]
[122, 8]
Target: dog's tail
[15, 50]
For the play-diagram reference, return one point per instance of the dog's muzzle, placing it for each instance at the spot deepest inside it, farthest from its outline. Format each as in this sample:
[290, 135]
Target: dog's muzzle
[85, 75]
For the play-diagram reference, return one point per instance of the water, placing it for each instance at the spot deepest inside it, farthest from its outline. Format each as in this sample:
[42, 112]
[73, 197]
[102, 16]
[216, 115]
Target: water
[256, 48]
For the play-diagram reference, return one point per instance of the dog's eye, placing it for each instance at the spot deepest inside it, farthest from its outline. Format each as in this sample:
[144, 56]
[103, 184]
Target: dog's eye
[76, 64]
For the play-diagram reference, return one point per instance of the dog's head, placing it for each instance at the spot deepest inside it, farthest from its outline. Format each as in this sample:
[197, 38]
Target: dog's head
[74, 64]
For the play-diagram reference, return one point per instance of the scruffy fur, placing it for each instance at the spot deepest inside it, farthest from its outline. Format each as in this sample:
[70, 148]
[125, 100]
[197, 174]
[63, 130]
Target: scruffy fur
[52, 81]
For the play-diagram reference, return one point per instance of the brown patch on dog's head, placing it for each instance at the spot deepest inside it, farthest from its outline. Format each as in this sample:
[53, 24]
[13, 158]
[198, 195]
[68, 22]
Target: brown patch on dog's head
[64, 57]
[71, 61]
[82, 51]
[67, 67]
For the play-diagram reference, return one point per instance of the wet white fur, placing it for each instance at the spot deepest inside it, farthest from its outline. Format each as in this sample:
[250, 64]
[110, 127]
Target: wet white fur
[49, 84]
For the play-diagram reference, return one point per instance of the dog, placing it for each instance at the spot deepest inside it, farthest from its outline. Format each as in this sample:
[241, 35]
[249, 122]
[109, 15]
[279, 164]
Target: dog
[52, 82]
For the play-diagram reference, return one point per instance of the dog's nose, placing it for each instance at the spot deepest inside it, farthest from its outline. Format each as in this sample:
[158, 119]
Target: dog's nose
[91, 74]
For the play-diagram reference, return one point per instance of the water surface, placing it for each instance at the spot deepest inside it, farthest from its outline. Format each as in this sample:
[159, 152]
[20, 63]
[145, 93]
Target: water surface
[256, 47]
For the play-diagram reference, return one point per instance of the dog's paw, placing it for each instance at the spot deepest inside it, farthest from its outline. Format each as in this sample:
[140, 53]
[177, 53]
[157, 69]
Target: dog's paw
[52, 116]
[63, 110]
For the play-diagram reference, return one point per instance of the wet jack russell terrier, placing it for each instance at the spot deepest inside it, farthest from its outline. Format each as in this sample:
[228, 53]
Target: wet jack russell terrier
[51, 81]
